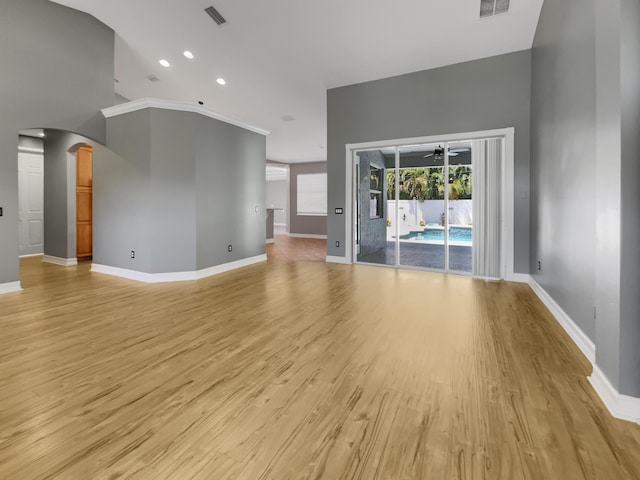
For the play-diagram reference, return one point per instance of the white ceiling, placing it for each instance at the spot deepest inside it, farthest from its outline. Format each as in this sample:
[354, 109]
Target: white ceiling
[280, 56]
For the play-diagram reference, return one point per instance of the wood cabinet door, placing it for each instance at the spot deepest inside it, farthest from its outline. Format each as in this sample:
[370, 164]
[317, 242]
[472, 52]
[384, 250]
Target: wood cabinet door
[84, 203]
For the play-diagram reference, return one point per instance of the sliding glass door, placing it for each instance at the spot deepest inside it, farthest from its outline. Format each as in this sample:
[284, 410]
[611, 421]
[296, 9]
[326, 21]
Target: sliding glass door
[420, 200]
[415, 205]
[460, 208]
[374, 240]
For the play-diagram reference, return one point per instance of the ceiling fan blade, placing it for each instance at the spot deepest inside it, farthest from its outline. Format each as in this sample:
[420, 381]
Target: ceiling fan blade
[428, 155]
[459, 150]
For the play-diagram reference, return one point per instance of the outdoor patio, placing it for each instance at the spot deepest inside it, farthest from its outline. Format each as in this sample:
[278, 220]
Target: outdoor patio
[422, 255]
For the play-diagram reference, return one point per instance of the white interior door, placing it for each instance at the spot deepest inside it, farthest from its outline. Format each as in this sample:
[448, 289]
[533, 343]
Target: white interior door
[31, 203]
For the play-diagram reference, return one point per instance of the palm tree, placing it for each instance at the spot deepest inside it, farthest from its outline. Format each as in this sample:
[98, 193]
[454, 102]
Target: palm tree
[460, 184]
[436, 184]
[391, 185]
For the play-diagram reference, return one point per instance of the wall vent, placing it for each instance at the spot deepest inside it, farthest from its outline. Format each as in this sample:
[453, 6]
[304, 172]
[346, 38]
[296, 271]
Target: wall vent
[489, 8]
[215, 14]
[152, 78]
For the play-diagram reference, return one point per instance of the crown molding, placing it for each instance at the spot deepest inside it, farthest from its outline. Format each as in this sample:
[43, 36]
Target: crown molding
[143, 103]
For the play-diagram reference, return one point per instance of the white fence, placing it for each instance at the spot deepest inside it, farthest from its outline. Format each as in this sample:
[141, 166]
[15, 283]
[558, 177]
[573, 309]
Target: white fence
[412, 212]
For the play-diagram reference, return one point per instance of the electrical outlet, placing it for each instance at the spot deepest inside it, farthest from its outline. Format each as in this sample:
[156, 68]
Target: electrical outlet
[230, 248]
[133, 254]
[539, 266]
[337, 243]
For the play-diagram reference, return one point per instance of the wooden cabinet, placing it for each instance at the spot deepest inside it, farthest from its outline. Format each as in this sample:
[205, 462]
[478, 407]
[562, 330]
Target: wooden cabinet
[84, 203]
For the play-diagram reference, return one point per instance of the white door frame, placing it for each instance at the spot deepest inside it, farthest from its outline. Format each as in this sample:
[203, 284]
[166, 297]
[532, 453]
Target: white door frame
[507, 182]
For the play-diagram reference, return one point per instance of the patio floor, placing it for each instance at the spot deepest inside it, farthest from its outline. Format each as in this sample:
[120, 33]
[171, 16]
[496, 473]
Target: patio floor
[423, 255]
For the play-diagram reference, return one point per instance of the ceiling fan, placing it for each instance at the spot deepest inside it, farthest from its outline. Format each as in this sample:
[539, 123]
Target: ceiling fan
[453, 152]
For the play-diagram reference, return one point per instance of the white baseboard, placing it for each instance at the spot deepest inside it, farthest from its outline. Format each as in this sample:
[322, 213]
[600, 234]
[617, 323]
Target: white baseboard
[620, 406]
[307, 235]
[519, 278]
[226, 267]
[279, 224]
[488, 279]
[270, 241]
[10, 287]
[176, 276]
[136, 275]
[31, 255]
[584, 343]
[64, 262]
[342, 260]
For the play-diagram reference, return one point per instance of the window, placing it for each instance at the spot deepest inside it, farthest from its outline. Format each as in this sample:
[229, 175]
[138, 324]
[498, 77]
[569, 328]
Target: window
[312, 194]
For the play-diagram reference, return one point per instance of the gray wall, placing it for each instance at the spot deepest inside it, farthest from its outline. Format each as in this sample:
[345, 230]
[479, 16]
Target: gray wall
[122, 195]
[270, 234]
[30, 142]
[230, 184]
[277, 191]
[56, 196]
[304, 224]
[172, 199]
[57, 72]
[584, 170]
[607, 188]
[178, 189]
[563, 154]
[630, 173]
[119, 99]
[484, 94]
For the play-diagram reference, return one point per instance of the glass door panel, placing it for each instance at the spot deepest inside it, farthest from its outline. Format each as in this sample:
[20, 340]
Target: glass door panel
[420, 205]
[374, 237]
[460, 210]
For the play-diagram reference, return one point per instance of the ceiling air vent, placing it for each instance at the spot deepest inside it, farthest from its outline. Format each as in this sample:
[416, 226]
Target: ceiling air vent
[215, 14]
[152, 78]
[489, 8]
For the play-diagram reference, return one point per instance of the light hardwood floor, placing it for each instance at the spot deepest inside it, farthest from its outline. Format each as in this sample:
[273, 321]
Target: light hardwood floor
[294, 249]
[301, 370]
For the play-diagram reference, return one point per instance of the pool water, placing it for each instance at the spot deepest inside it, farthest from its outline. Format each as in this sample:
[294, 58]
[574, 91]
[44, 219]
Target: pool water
[456, 234]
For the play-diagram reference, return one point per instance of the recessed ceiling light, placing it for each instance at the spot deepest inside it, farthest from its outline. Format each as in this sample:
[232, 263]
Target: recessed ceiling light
[164, 63]
[188, 54]
[221, 81]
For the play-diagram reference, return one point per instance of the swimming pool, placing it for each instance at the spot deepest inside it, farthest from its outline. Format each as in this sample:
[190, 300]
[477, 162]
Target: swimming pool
[456, 234]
